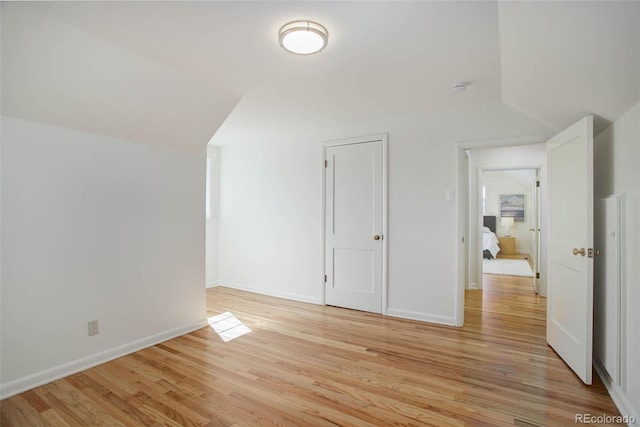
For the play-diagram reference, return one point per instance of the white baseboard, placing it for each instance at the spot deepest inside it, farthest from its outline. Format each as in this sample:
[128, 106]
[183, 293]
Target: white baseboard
[271, 293]
[424, 317]
[443, 320]
[19, 385]
[617, 394]
[211, 285]
[473, 285]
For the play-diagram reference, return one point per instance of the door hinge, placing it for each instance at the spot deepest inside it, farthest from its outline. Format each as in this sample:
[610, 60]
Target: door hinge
[537, 183]
[326, 163]
[325, 278]
[537, 275]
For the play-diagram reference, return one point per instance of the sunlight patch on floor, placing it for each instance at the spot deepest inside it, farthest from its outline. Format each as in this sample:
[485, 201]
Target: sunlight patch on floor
[227, 326]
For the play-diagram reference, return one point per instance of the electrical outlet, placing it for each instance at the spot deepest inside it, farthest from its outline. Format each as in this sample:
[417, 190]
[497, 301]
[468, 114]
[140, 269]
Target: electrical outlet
[93, 328]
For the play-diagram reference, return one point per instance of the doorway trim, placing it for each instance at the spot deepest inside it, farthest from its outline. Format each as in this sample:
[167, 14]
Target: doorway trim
[462, 206]
[347, 141]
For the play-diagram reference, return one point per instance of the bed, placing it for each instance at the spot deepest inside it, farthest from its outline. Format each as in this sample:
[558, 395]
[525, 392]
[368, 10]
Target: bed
[490, 246]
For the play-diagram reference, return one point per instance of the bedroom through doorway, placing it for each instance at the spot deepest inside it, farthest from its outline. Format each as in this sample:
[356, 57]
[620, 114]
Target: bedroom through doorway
[510, 235]
[474, 159]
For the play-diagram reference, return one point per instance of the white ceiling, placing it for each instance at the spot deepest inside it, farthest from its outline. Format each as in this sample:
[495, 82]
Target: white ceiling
[564, 60]
[171, 72]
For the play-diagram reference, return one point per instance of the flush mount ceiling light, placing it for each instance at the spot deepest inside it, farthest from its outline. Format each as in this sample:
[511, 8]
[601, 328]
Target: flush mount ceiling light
[303, 37]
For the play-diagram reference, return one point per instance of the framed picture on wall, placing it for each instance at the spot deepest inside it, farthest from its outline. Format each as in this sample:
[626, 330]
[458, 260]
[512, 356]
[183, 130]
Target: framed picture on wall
[512, 205]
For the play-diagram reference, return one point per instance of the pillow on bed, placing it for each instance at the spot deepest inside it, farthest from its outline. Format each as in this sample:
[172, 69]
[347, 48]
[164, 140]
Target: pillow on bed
[486, 230]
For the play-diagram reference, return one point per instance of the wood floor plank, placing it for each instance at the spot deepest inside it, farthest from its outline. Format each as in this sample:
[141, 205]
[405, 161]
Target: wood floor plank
[305, 364]
[18, 411]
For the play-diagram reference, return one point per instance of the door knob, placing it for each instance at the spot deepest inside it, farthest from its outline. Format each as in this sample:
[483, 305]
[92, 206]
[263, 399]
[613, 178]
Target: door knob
[580, 251]
[376, 237]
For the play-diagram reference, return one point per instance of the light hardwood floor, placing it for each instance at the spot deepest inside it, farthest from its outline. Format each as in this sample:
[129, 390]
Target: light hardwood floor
[312, 365]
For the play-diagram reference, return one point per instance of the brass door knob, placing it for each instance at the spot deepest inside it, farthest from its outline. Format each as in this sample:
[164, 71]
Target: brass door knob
[580, 251]
[376, 237]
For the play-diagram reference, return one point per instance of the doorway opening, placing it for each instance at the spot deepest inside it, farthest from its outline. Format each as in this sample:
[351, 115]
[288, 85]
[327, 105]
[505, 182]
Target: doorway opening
[505, 198]
[474, 159]
[510, 216]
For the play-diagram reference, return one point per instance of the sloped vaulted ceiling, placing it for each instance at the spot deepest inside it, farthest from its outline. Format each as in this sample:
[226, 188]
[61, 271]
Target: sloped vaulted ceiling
[171, 73]
[564, 60]
[55, 73]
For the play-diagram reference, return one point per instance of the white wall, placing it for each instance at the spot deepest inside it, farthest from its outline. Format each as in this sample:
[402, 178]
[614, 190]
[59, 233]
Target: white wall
[616, 160]
[212, 223]
[518, 157]
[512, 182]
[270, 224]
[94, 228]
[271, 207]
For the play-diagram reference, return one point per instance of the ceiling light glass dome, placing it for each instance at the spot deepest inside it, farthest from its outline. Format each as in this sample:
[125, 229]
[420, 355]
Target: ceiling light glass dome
[303, 37]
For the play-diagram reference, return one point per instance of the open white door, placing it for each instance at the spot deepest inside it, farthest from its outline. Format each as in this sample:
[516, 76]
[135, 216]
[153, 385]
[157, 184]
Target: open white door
[354, 207]
[570, 258]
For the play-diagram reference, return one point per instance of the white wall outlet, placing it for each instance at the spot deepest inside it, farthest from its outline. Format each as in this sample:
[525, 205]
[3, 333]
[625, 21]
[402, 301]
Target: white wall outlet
[93, 328]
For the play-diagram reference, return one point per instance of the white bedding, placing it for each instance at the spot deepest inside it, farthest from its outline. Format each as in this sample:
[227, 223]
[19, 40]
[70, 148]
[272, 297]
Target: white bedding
[490, 242]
